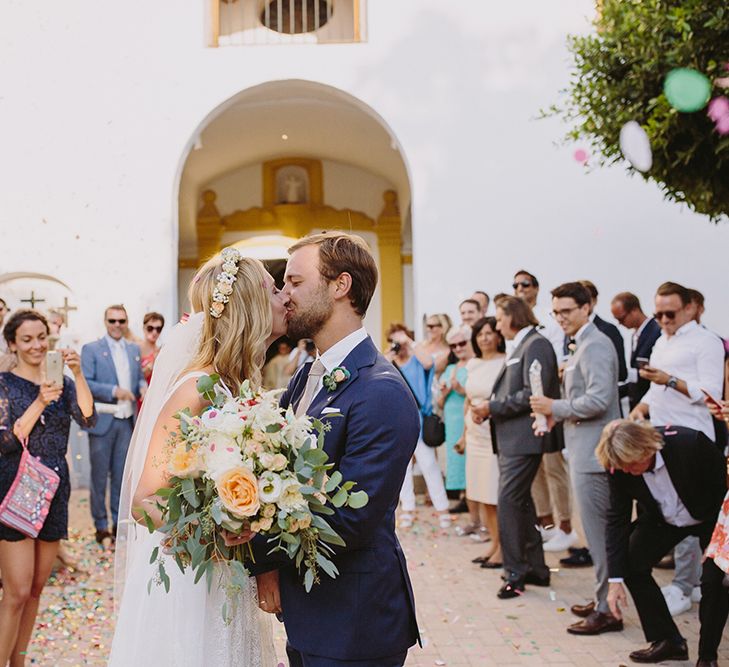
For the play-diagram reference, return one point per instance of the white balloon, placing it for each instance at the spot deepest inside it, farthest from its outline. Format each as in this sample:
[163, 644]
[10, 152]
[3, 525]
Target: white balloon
[636, 146]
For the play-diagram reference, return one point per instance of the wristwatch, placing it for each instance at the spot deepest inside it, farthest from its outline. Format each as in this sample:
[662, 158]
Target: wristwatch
[672, 382]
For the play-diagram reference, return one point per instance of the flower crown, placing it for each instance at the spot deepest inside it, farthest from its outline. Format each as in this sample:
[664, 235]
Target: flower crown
[224, 281]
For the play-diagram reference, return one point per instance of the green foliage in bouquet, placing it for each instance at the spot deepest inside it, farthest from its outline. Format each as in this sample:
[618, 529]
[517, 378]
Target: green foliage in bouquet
[619, 73]
[246, 463]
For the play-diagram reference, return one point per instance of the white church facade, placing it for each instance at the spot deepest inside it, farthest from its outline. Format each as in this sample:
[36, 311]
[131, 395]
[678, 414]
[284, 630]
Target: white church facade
[141, 137]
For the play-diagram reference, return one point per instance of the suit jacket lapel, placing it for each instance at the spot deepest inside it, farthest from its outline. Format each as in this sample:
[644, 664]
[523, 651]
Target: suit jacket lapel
[106, 354]
[515, 355]
[363, 355]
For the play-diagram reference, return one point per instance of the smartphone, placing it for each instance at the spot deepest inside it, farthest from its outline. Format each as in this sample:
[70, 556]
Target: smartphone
[711, 398]
[641, 362]
[54, 367]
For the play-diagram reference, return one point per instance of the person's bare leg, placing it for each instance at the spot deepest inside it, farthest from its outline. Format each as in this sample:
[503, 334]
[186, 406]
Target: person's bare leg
[492, 523]
[16, 563]
[473, 512]
[45, 555]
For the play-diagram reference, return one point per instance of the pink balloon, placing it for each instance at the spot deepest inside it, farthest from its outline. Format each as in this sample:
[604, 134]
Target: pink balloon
[722, 125]
[581, 155]
[718, 108]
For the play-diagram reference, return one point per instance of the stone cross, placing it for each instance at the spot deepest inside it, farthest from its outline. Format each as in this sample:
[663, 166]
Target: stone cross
[65, 309]
[32, 300]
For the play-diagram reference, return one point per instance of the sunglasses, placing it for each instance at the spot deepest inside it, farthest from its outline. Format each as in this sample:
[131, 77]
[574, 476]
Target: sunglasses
[668, 314]
[437, 325]
[455, 346]
[522, 283]
[150, 329]
[116, 321]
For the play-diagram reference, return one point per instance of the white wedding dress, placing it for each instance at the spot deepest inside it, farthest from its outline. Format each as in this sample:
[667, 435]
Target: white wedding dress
[185, 627]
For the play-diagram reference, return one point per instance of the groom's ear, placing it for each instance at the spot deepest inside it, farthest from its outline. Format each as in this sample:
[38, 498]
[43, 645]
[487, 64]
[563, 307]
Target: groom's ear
[342, 285]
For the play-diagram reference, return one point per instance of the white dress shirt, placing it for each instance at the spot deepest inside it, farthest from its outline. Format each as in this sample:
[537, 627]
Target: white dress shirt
[664, 493]
[338, 352]
[633, 372]
[120, 358]
[696, 356]
[550, 329]
[511, 345]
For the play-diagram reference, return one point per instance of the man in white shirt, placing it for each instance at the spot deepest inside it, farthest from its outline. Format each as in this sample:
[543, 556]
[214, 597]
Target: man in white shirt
[551, 488]
[685, 359]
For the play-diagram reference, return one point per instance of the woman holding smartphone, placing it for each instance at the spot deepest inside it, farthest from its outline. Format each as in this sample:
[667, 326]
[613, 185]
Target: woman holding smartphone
[39, 412]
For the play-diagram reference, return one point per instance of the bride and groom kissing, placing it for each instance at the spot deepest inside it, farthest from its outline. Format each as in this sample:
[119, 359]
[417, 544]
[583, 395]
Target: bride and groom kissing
[365, 617]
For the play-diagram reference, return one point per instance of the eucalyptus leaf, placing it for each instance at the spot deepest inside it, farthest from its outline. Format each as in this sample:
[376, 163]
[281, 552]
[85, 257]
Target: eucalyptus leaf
[153, 557]
[309, 580]
[358, 499]
[333, 481]
[339, 498]
[327, 565]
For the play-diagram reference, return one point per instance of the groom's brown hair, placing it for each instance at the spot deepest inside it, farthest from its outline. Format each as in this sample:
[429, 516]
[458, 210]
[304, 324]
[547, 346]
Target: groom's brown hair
[345, 253]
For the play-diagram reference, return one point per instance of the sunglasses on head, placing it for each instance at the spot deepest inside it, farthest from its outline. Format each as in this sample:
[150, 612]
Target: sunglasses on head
[151, 328]
[522, 283]
[455, 346]
[668, 314]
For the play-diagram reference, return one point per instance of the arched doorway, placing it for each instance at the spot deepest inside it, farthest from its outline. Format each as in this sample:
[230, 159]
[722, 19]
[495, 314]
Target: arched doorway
[287, 158]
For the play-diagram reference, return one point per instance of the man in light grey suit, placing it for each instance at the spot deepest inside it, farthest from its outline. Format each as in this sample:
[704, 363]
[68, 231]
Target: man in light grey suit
[519, 448]
[589, 401]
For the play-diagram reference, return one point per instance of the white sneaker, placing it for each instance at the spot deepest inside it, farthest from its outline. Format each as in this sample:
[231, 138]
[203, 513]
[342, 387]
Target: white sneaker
[548, 533]
[677, 602]
[696, 594]
[561, 541]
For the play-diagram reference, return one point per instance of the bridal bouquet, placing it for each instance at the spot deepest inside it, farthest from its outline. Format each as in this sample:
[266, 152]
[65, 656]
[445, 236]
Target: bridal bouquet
[246, 463]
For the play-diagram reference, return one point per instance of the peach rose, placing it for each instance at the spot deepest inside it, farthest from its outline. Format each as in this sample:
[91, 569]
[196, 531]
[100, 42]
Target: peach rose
[238, 491]
[184, 462]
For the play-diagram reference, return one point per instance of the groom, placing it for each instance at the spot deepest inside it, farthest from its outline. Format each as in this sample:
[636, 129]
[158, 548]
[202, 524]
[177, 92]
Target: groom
[366, 616]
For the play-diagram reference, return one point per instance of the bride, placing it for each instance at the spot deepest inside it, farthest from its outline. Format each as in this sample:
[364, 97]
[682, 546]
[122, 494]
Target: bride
[238, 314]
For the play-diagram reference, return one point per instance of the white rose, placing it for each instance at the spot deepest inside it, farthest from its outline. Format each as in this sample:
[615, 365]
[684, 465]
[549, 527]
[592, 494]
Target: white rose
[279, 462]
[266, 460]
[270, 487]
[291, 497]
[222, 454]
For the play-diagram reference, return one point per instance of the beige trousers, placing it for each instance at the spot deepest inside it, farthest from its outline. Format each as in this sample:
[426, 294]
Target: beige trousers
[551, 488]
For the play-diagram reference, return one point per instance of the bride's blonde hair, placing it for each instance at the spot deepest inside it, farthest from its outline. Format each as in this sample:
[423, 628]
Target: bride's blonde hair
[234, 343]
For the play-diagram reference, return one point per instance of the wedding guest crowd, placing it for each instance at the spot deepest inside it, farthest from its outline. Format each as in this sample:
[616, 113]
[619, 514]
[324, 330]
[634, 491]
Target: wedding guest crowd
[533, 434]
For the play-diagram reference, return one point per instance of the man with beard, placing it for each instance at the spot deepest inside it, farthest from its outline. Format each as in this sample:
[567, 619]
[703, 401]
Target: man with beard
[366, 616]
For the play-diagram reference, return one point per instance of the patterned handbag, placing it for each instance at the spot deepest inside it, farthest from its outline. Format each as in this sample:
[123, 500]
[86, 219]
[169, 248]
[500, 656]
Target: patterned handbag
[26, 504]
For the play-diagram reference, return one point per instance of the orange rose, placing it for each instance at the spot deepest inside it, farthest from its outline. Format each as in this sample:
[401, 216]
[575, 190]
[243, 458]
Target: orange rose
[184, 462]
[238, 491]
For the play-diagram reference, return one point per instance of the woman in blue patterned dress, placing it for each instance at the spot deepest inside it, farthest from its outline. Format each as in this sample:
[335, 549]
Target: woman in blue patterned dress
[41, 412]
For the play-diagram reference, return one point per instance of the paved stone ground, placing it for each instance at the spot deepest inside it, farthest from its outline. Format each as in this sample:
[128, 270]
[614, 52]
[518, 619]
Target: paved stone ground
[462, 621]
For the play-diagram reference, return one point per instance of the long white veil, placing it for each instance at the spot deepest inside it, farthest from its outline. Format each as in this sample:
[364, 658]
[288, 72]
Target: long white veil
[175, 357]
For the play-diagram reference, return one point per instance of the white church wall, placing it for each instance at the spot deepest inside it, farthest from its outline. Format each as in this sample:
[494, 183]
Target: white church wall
[97, 122]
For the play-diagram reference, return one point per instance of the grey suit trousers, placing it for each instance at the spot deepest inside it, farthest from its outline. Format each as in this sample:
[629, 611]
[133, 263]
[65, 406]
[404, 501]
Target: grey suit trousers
[521, 543]
[592, 492]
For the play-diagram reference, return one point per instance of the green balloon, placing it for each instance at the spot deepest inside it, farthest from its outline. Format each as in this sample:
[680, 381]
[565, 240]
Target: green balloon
[687, 90]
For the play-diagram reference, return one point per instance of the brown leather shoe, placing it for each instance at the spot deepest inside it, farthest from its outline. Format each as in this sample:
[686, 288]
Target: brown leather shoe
[595, 624]
[660, 651]
[583, 610]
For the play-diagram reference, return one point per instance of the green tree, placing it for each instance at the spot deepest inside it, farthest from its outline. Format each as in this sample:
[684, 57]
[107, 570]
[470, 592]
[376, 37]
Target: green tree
[618, 76]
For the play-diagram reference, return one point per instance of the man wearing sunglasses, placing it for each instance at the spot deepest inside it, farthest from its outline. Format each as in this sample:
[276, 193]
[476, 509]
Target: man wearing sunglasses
[112, 367]
[685, 359]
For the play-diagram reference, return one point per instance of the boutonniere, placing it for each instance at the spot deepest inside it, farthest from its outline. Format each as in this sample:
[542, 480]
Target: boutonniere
[335, 378]
[572, 346]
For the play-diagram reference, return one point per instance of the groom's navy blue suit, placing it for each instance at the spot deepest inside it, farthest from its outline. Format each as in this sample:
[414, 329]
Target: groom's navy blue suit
[366, 616]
